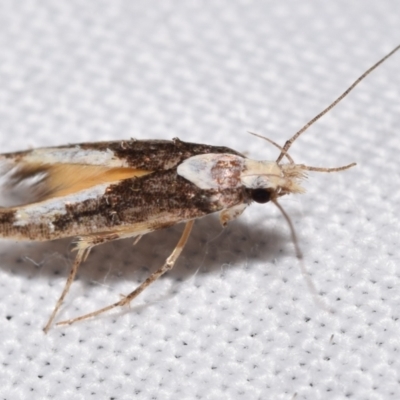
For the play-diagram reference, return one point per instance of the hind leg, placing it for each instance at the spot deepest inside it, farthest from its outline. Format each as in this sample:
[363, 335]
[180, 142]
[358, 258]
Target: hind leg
[168, 265]
[84, 245]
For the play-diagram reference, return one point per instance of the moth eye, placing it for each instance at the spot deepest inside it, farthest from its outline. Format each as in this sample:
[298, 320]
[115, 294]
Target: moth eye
[261, 195]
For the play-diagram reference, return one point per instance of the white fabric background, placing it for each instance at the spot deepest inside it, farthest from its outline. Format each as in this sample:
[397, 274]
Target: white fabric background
[235, 319]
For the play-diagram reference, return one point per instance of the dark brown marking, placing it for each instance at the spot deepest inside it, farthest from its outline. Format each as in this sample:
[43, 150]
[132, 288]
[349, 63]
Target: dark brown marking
[153, 155]
[7, 217]
[149, 198]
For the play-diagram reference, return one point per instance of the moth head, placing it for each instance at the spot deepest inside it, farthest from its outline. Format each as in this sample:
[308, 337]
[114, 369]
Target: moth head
[268, 180]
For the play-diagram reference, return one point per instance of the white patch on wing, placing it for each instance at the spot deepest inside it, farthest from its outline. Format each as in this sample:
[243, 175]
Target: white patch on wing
[45, 211]
[212, 171]
[73, 155]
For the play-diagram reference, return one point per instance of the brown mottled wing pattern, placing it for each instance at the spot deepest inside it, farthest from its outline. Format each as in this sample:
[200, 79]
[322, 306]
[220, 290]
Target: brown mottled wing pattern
[123, 188]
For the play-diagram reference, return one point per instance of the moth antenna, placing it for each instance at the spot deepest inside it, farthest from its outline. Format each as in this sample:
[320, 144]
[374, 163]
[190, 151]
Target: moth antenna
[289, 142]
[334, 169]
[274, 144]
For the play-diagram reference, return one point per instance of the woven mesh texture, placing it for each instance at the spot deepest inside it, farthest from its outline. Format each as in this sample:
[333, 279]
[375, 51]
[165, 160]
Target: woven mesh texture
[236, 318]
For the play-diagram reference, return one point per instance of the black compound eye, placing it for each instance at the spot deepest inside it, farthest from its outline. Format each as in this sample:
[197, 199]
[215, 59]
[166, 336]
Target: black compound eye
[261, 195]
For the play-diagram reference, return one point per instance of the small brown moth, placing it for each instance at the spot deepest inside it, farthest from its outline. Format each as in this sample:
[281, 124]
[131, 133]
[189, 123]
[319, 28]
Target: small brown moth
[99, 192]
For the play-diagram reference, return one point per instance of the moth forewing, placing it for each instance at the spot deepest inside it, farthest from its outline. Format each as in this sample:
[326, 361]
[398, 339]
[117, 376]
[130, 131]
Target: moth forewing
[99, 192]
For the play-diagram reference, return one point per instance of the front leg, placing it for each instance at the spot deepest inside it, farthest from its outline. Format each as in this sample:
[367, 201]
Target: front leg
[230, 214]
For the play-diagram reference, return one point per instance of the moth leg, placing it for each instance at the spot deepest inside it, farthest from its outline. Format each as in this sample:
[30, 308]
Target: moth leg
[229, 214]
[84, 245]
[136, 241]
[168, 265]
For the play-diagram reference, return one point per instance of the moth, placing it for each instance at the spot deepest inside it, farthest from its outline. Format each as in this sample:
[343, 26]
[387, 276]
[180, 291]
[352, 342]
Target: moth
[100, 192]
